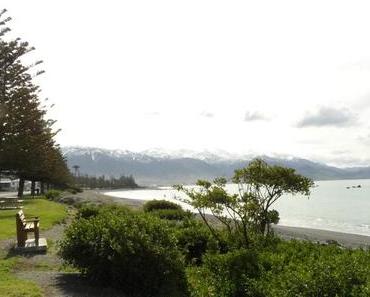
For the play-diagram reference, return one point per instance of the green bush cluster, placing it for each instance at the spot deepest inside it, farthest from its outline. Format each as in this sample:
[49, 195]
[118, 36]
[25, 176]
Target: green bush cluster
[166, 210]
[288, 269]
[307, 269]
[146, 256]
[233, 273]
[74, 190]
[194, 240]
[171, 214]
[135, 252]
[154, 205]
[86, 211]
[53, 195]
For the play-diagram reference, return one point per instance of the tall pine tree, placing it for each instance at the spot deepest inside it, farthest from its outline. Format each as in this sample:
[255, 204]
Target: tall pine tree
[27, 147]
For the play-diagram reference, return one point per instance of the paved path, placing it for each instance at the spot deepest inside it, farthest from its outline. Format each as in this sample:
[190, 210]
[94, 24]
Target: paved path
[11, 194]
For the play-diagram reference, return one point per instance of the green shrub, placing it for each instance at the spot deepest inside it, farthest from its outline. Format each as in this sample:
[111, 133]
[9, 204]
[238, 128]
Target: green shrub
[194, 240]
[284, 269]
[172, 214]
[53, 195]
[134, 252]
[306, 269]
[166, 210]
[74, 190]
[154, 205]
[86, 211]
[233, 274]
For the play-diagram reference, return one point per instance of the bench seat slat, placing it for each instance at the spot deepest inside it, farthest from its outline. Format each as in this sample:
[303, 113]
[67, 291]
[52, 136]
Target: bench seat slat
[30, 226]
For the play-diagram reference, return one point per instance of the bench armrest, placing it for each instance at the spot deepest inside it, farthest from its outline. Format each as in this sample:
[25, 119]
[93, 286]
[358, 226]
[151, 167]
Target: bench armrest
[34, 219]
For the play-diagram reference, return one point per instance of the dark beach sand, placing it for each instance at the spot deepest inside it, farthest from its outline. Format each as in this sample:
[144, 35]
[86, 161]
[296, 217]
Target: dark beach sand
[322, 236]
[285, 232]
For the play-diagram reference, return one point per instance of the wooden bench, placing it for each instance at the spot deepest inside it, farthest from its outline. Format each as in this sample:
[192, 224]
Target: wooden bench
[25, 226]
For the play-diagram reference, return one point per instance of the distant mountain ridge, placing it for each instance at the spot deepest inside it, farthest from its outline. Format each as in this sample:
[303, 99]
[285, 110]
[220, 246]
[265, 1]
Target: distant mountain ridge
[156, 167]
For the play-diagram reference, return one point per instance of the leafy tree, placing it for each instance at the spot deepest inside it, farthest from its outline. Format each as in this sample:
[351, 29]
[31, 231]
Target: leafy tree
[260, 186]
[208, 198]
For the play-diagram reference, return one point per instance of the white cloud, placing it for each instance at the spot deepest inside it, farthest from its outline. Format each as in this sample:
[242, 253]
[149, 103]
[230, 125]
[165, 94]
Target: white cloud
[252, 116]
[328, 116]
[207, 114]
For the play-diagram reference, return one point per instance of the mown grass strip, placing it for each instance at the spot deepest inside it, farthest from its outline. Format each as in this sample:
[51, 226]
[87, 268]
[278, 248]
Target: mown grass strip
[49, 212]
[10, 286]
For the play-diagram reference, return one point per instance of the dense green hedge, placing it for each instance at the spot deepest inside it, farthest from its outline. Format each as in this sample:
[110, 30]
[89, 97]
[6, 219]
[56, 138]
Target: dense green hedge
[166, 210]
[154, 205]
[53, 194]
[290, 269]
[233, 273]
[132, 251]
[145, 255]
[171, 214]
[307, 269]
[194, 240]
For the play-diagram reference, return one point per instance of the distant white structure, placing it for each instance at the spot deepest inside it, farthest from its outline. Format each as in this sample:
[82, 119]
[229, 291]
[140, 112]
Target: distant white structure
[11, 185]
[7, 184]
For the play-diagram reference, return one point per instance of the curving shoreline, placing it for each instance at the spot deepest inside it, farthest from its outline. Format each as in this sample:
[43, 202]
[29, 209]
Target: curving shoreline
[286, 232]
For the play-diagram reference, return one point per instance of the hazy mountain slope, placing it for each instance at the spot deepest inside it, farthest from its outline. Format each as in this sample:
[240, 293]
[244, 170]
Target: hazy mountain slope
[163, 169]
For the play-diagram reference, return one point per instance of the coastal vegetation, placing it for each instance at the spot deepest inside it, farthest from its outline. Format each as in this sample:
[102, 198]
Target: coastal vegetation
[141, 253]
[132, 251]
[116, 255]
[249, 212]
[213, 255]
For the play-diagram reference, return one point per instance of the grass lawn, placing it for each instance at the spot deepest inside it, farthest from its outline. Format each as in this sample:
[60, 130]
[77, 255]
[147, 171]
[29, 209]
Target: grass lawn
[49, 213]
[10, 286]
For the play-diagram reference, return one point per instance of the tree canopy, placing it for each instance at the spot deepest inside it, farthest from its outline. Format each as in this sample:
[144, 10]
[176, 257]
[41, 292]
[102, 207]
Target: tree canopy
[27, 146]
[247, 212]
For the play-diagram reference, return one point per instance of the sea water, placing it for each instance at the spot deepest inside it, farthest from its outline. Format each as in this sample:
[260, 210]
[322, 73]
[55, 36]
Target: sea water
[338, 205]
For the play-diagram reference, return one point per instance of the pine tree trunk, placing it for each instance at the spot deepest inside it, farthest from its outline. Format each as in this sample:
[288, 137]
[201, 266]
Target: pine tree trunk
[33, 185]
[21, 187]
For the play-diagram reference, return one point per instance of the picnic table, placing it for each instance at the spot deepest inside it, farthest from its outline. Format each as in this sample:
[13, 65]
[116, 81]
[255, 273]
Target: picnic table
[10, 203]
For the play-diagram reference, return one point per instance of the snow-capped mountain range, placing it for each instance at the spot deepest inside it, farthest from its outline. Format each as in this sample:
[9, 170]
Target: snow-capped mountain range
[212, 156]
[163, 167]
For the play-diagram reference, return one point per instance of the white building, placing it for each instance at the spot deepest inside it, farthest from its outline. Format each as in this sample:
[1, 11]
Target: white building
[7, 184]
[11, 185]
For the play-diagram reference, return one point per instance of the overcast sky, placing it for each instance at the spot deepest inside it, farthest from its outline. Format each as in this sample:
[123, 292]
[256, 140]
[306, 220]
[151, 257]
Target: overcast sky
[265, 77]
